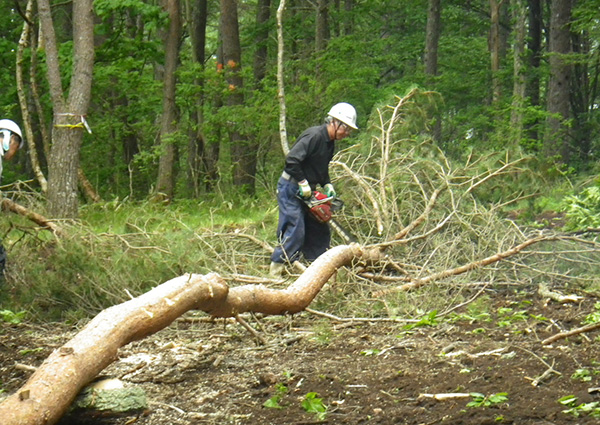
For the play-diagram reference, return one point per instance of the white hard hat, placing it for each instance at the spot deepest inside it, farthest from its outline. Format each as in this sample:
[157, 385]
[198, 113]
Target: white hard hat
[12, 126]
[345, 113]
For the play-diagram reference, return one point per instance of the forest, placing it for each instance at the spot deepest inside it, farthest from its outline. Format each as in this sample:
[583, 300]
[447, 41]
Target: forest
[139, 218]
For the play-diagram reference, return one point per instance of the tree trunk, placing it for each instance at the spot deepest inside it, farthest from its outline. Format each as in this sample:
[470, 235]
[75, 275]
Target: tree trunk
[557, 138]
[285, 147]
[166, 166]
[518, 103]
[432, 38]
[243, 150]
[322, 25]
[76, 363]
[197, 144]
[69, 115]
[349, 21]
[23, 102]
[263, 14]
[48, 393]
[495, 48]
[534, 52]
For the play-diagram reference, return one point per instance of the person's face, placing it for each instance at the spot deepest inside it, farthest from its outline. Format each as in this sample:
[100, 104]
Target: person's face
[342, 130]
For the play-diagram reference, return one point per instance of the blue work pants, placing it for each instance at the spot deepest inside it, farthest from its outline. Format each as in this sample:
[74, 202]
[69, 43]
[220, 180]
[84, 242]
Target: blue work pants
[297, 230]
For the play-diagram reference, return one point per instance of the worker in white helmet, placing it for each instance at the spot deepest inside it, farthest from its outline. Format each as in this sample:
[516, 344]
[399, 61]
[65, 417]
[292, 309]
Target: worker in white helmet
[306, 166]
[11, 140]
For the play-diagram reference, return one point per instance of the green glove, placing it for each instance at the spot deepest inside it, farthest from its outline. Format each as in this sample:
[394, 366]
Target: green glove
[304, 189]
[329, 190]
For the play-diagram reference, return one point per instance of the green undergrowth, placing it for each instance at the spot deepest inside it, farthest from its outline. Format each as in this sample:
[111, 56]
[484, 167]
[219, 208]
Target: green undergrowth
[120, 249]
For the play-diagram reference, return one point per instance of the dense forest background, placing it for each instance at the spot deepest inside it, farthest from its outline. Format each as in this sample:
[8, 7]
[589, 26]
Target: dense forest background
[184, 93]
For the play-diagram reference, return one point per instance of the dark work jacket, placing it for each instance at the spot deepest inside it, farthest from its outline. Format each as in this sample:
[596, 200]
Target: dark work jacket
[309, 157]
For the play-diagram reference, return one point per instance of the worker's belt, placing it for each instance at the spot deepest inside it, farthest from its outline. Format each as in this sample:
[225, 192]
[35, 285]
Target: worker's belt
[286, 176]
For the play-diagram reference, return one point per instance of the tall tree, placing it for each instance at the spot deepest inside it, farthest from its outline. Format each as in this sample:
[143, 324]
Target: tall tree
[432, 39]
[166, 165]
[556, 137]
[495, 48]
[69, 113]
[263, 14]
[243, 150]
[322, 25]
[519, 19]
[534, 55]
[197, 152]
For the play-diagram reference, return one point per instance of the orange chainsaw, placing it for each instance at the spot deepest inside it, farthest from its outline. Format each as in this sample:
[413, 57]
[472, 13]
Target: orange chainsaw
[321, 208]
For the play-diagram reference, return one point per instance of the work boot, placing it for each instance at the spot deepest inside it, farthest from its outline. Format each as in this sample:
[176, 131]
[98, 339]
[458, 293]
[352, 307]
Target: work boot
[276, 270]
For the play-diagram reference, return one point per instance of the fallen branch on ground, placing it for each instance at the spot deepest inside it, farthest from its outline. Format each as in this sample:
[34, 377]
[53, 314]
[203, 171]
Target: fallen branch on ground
[586, 328]
[40, 220]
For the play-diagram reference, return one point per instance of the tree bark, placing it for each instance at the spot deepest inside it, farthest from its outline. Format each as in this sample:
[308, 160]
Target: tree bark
[197, 152]
[534, 54]
[322, 25]
[285, 147]
[432, 37]
[556, 138]
[518, 103]
[243, 150]
[166, 166]
[69, 368]
[23, 102]
[263, 13]
[69, 114]
[495, 48]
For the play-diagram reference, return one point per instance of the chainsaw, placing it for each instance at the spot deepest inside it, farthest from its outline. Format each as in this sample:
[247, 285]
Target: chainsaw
[321, 207]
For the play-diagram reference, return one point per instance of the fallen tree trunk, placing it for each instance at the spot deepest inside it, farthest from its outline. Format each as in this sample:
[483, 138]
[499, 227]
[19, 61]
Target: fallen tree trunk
[48, 393]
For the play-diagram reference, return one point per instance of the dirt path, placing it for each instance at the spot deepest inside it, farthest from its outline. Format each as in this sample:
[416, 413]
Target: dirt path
[196, 372]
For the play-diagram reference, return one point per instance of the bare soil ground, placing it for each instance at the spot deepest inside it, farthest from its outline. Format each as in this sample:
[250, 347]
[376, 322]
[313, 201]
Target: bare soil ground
[199, 372]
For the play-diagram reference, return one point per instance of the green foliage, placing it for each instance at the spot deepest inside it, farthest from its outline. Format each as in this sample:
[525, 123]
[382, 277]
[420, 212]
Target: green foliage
[584, 374]
[312, 404]
[582, 409]
[273, 402]
[582, 210]
[12, 317]
[429, 320]
[593, 317]
[481, 400]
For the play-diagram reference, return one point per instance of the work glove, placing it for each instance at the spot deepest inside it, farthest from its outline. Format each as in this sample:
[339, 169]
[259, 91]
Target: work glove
[329, 190]
[304, 189]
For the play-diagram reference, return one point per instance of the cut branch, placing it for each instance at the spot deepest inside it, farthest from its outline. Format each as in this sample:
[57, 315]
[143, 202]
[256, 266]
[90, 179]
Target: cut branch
[42, 221]
[586, 328]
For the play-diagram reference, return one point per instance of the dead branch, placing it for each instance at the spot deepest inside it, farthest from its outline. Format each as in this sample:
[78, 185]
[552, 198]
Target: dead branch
[555, 296]
[586, 328]
[40, 220]
[368, 192]
[467, 267]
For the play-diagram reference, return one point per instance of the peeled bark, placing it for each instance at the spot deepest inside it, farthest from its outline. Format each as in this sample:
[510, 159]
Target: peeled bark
[48, 393]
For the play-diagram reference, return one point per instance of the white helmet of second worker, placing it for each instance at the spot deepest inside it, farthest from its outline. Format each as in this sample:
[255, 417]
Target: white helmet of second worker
[12, 126]
[345, 113]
